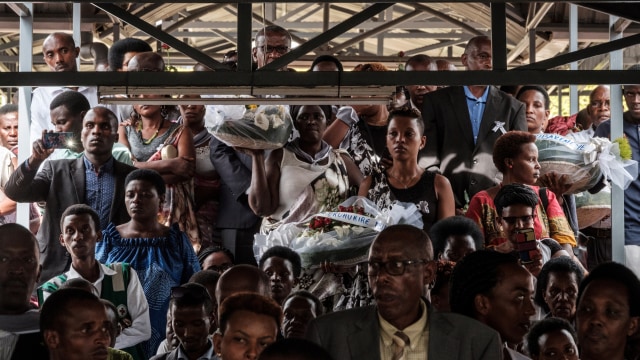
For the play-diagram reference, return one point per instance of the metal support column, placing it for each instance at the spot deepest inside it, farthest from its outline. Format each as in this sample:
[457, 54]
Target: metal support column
[244, 37]
[573, 46]
[77, 22]
[532, 46]
[24, 105]
[617, 193]
[499, 35]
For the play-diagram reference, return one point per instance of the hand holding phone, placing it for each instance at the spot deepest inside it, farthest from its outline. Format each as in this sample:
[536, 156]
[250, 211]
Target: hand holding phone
[57, 140]
[527, 246]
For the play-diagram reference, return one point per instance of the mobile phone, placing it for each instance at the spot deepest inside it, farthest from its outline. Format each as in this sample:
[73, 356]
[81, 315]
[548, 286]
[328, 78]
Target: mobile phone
[57, 140]
[526, 245]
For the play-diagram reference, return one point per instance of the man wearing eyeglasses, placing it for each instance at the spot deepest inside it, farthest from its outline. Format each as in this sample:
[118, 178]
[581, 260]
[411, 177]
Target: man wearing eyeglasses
[631, 128]
[271, 42]
[599, 106]
[462, 123]
[402, 324]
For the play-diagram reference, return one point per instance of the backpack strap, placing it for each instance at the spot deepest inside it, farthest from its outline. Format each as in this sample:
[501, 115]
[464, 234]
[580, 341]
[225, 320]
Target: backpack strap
[542, 193]
[114, 288]
[50, 287]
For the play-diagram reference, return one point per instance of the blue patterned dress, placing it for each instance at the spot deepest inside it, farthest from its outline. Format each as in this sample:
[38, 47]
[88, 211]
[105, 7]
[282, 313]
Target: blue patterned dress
[161, 263]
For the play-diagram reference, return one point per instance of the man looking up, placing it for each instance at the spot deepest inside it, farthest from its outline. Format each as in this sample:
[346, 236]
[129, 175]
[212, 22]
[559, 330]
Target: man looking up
[19, 272]
[271, 42]
[462, 123]
[60, 53]
[95, 179]
[401, 324]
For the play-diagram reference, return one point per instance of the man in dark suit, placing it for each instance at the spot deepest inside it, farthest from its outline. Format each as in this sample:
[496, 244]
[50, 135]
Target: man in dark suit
[463, 122]
[400, 266]
[236, 222]
[95, 179]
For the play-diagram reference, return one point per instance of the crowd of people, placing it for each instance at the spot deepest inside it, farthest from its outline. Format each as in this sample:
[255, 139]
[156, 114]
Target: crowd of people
[142, 225]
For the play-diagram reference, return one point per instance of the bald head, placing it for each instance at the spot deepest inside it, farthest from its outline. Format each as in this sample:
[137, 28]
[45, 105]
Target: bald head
[414, 240]
[477, 54]
[146, 61]
[242, 278]
[60, 52]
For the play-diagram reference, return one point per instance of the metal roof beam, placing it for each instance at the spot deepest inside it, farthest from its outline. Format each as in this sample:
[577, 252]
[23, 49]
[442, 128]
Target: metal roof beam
[499, 36]
[160, 35]
[449, 19]
[531, 24]
[19, 8]
[583, 54]
[310, 79]
[384, 27]
[312, 44]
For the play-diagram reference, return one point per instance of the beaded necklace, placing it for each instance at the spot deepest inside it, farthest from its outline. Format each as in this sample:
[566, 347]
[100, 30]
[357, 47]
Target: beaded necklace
[147, 142]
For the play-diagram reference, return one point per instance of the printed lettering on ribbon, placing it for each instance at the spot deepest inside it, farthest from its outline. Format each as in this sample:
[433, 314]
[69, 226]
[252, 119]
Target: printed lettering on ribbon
[354, 219]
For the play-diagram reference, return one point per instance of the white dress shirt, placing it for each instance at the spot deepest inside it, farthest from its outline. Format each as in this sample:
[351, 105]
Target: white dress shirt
[140, 329]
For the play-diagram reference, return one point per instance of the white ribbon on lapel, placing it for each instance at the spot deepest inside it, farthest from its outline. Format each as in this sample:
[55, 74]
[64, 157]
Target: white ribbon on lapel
[499, 125]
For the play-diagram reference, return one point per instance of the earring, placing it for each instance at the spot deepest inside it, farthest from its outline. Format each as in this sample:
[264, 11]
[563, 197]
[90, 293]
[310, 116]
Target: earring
[164, 112]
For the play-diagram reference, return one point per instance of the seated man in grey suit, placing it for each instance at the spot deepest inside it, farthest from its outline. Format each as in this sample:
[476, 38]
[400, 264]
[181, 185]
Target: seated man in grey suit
[402, 323]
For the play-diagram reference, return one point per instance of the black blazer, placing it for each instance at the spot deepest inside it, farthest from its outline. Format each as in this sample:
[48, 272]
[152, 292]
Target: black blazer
[61, 183]
[234, 169]
[450, 146]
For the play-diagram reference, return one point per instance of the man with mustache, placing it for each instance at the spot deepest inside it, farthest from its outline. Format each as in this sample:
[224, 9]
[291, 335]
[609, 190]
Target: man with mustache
[60, 52]
[75, 326]
[19, 271]
[402, 324]
[95, 179]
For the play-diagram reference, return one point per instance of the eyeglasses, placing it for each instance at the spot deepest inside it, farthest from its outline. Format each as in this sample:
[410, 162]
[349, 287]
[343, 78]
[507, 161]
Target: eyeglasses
[193, 292]
[599, 104]
[512, 220]
[394, 268]
[267, 49]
